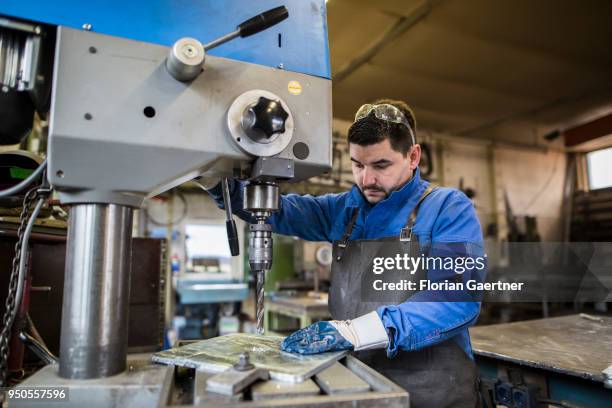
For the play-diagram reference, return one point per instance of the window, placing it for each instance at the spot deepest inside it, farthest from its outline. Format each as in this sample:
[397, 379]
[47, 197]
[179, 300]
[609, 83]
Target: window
[599, 164]
[207, 248]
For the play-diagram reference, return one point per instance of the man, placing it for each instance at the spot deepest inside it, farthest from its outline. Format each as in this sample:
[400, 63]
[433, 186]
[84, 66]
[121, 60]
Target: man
[420, 343]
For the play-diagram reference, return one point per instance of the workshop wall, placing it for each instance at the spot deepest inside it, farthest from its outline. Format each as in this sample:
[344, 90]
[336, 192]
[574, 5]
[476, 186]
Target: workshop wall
[534, 181]
[463, 164]
[532, 178]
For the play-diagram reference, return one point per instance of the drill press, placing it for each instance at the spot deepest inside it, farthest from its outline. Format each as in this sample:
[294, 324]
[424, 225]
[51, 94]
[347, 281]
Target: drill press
[130, 119]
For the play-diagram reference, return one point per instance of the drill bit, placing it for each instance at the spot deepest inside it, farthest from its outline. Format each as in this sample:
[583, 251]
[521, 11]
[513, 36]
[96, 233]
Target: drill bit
[259, 305]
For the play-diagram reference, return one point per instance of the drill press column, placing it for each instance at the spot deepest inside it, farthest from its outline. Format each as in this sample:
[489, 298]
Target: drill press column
[260, 199]
[96, 291]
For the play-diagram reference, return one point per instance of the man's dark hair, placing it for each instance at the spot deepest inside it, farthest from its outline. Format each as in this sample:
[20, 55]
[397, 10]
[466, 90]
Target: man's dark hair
[371, 130]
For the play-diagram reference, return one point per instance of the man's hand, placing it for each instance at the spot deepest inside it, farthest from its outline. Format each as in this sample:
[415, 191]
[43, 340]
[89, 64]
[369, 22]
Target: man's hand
[365, 332]
[317, 338]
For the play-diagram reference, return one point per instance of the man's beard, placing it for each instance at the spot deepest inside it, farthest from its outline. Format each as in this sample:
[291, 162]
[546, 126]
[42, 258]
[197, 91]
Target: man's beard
[374, 188]
[386, 193]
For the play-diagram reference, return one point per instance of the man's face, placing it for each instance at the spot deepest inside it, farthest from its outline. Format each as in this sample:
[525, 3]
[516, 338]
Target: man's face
[378, 170]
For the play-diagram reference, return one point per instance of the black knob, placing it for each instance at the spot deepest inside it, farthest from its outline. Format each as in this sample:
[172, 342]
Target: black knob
[267, 117]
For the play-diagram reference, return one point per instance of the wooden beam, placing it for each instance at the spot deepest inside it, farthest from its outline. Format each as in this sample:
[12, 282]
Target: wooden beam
[588, 131]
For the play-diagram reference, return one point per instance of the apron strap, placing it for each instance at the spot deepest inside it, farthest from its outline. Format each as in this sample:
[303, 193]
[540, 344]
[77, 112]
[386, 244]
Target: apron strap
[406, 232]
[347, 234]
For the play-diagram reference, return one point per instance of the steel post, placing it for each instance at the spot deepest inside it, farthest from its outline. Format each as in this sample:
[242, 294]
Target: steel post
[93, 340]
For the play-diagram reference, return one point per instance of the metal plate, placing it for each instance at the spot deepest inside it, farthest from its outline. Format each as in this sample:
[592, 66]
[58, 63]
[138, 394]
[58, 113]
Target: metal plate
[220, 353]
[570, 345]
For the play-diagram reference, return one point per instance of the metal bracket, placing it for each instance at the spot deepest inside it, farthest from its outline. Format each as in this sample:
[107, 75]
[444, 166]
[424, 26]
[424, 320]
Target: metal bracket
[273, 167]
[406, 234]
[233, 381]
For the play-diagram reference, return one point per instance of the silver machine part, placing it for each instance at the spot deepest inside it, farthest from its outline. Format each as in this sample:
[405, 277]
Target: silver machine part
[260, 199]
[93, 340]
[98, 122]
[147, 385]
[382, 392]
[221, 40]
[186, 59]
[275, 168]
[260, 244]
[137, 387]
[20, 45]
[233, 381]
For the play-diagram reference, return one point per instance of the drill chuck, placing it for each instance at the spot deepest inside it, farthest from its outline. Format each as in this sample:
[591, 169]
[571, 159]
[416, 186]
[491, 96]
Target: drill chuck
[260, 246]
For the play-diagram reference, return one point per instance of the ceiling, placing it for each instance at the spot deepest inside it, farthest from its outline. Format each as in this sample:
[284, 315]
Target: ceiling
[478, 68]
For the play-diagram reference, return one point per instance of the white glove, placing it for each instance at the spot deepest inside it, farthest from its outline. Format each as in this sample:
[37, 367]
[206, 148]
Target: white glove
[365, 332]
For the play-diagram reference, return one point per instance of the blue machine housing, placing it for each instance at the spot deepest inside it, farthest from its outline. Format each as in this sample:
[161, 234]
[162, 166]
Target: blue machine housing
[298, 43]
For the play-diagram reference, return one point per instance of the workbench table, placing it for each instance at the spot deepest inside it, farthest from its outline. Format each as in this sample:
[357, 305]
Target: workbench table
[306, 309]
[565, 355]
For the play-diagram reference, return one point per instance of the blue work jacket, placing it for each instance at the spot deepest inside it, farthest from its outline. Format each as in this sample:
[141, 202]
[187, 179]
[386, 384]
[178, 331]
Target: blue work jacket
[445, 216]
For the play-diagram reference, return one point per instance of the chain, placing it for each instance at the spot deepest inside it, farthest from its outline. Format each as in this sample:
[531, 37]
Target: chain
[9, 312]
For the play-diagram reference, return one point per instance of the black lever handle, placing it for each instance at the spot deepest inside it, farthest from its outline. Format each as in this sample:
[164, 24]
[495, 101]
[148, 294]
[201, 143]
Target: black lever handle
[230, 224]
[262, 21]
[252, 26]
[232, 237]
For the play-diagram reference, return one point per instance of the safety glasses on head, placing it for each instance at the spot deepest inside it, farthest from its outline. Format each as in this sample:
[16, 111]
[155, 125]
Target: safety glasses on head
[386, 112]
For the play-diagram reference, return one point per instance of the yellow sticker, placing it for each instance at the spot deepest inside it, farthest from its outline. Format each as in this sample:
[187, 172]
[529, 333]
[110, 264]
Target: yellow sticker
[294, 87]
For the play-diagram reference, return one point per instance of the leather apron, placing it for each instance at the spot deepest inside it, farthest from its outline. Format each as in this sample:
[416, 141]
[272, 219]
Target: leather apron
[441, 375]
